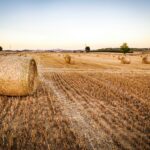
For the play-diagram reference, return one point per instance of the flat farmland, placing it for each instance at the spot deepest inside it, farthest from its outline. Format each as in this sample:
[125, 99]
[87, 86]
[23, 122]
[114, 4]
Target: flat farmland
[93, 103]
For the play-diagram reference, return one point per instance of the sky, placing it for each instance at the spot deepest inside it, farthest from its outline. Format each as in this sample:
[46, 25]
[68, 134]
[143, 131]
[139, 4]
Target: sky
[74, 24]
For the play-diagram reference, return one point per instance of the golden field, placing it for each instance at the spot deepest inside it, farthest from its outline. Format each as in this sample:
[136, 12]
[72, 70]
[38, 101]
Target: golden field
[94, 103]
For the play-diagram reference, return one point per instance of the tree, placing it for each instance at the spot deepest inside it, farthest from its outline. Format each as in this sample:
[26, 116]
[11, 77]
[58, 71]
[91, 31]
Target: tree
[124, 48]
[87, 49]
[1, 48]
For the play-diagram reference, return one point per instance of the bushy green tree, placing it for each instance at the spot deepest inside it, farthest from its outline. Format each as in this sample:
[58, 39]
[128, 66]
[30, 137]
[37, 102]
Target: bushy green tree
[124, 48]
[87, 49]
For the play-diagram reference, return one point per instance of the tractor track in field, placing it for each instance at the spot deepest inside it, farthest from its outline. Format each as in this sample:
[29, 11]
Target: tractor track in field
[93, 96]
[79, 110]
[64, 123]
[70, 111]
[131, 139]
[78, 119]
[103, 122]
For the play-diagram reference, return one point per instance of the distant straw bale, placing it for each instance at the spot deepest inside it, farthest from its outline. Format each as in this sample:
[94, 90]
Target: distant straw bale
[67, 59]
[18, 76]
[120, 57]
[146, 60]
[125, 60]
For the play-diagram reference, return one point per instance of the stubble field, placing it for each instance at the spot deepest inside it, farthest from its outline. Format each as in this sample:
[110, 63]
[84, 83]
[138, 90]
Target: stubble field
[93, 103]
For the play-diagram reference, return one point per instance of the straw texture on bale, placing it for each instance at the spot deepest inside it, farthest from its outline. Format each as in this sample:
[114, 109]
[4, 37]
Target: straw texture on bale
[125, 60]
[18, 76]
[146, 60]
[67, 59]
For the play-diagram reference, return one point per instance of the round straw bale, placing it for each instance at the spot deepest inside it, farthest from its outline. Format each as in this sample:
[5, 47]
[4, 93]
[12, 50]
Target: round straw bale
[18, 76]
[125, 60]
[146, 60]
[67, 59]
[120, 57]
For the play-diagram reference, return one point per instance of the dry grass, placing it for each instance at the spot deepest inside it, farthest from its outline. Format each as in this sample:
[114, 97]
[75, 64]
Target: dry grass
[88, 107]
[146, 60]
[120, 57]
[125, 60]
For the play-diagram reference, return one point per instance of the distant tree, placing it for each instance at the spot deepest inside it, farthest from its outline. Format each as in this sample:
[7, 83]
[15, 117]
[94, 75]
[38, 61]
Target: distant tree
[1, 48]
[87, 49]
[124, 48]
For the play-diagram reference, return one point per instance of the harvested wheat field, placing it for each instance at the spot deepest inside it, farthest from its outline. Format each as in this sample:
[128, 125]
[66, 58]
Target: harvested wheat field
[93, 103]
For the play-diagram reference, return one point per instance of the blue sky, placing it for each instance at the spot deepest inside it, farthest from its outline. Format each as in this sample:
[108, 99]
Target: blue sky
[72, 24]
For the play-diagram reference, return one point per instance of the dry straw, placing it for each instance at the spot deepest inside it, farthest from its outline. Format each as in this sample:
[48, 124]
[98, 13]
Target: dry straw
[120, 57]
[67, 59]
[125, 60]
[146, 60]
[18, 76]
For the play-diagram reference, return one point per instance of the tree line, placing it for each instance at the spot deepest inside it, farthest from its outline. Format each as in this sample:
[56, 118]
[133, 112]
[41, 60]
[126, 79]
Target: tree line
[124, 48]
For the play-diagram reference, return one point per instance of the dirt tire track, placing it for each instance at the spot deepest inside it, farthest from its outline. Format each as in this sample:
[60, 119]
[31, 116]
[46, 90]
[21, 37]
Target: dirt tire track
[78, 121]
[105, 118]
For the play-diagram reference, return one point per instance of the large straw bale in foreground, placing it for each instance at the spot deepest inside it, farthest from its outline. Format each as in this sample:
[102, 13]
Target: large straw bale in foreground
[125, 60]
[18, 76]
[146, 60]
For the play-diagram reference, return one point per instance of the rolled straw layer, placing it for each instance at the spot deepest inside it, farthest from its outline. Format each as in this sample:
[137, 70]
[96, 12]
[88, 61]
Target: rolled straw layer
[18, 76]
